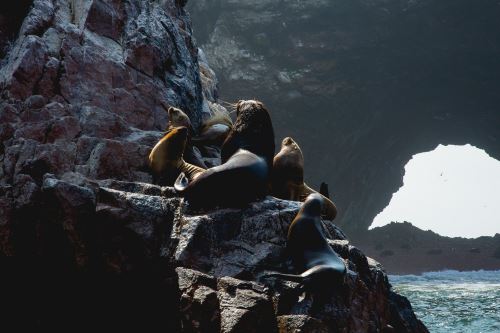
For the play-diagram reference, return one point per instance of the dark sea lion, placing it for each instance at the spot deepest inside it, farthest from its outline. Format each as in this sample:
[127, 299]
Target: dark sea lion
[309, 250]
[166, 158]
[252, 131]
[243, 178]
[288, 177]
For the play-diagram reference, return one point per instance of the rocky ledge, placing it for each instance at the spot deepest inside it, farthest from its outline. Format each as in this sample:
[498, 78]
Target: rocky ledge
[87, 243]
[133, 254]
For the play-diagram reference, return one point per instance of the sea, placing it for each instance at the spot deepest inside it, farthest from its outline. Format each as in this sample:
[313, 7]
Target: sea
[452, 301]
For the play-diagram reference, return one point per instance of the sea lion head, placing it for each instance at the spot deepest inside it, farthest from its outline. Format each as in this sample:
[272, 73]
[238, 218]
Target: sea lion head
[290, 145]
[312, 205]
[177, 118]
[248, 105]
[252, 130]
[307, 222]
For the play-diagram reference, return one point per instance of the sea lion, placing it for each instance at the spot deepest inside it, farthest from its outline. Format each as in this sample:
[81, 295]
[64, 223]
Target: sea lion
[166, 158]
[288, 177]
[215, 130]
[252, 131]
[177, 118]
[243, 178]
[309, 250]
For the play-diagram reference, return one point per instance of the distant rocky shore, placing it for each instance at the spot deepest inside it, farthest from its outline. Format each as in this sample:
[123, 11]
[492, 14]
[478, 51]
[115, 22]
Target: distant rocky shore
[406, 249]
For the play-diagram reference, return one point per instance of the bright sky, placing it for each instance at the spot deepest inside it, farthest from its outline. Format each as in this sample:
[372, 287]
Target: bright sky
[452, 190]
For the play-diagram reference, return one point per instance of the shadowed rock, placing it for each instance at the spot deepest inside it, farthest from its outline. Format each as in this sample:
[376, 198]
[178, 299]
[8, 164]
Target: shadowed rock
[86, 241]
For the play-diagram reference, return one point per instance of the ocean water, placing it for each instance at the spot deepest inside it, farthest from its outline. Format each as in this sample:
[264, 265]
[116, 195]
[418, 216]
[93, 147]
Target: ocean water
[452, 301]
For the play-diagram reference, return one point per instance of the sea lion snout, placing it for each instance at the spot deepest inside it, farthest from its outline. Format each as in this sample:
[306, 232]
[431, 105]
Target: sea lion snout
[287, 141]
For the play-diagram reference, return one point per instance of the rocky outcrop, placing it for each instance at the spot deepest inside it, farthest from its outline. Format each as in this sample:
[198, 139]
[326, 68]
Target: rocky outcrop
[85, 85]
[87, 242]
[209, 267]
[376, 82]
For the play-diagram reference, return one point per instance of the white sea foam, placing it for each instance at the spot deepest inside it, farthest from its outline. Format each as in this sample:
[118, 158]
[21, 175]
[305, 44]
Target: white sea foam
[453, 301]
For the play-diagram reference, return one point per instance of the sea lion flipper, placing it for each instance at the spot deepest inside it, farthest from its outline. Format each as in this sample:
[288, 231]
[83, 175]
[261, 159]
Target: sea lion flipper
[323, 190]
[287, 277]
[181, 182]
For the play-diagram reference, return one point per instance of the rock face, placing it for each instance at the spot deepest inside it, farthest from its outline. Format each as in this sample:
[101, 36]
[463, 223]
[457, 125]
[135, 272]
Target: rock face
[84, 83]
[375, 81]
[87, 242]
[108, 243]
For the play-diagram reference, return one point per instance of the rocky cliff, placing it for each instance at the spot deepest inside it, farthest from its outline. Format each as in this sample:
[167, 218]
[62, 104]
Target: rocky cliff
[362, 85]
[86, 242]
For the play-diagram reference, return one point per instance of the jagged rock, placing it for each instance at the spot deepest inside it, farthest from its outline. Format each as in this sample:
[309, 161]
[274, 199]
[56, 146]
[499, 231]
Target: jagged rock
[199, 303]
[233, 242]
[85, 238]
[100, 70]
[122, 228]
[245, 307]
[300, 323]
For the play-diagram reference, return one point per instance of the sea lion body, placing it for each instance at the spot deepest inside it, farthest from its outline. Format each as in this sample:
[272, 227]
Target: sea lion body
[252, 131]
[309, 250]
[288, 177]
[244, 174]
[243, 178]
[166, 158]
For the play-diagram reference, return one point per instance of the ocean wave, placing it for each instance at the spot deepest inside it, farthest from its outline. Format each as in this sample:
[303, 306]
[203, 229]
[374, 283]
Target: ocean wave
[454, 301]
[449, 276]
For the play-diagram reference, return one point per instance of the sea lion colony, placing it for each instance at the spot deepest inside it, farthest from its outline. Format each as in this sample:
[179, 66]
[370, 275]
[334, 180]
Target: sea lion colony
[248, 172]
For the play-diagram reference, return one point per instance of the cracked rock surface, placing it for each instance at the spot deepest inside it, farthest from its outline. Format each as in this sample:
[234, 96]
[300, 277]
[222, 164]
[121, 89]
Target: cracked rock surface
[87, 242]
[122, 242]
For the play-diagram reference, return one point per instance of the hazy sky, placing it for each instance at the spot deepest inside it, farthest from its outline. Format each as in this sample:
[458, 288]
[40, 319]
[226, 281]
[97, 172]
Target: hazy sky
[452, 190]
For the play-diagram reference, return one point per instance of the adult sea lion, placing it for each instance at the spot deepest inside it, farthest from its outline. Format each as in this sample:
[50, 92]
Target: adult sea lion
[246, 157]
[252, 131]
[243, 178]
[309, 250]
[288, 177]
[166, 158]
[177, 118]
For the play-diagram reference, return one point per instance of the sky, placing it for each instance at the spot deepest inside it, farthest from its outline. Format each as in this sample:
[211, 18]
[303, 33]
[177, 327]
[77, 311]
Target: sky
[452, 190]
